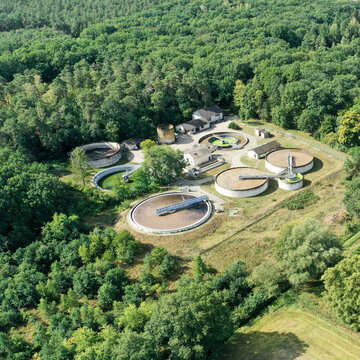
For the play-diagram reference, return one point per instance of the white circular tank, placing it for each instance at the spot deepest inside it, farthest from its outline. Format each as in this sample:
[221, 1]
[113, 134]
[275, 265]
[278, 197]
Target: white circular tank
[228, 183]
[277, 160]
[295, 184]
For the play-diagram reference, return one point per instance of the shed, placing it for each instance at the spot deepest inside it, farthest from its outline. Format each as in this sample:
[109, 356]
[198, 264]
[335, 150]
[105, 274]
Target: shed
[132, 144]
[198, 156]
[265, 134]
[258, 131]
[211, 113]
[193, 126]
[262, 150]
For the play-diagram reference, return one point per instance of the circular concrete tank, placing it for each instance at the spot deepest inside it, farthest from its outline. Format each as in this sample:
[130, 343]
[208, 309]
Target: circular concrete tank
[102, 154]
[126, 169]
[277, 160]
[235, 140]
[166, 134]
[228, 182]
[293, 184]
[143, 216]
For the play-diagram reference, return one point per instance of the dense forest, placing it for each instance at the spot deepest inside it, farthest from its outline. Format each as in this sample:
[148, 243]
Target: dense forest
[72, 72]
[297, 64]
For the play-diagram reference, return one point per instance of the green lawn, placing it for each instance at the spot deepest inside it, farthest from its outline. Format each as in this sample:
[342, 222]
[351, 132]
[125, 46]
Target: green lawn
[108, 182]
[292, 334]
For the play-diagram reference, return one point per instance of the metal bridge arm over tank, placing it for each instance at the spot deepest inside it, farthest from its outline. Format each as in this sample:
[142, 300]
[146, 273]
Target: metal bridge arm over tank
[181, 205]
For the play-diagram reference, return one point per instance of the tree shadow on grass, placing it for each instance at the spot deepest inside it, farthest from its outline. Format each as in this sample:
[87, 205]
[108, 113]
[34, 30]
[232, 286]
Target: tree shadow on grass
[273, 186]
[318, 164]
[254, 123]
[257, 345]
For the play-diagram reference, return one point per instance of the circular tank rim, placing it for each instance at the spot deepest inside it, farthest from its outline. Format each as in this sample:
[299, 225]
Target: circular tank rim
[101, 145]
[299, 169]
[113, 170]
[165, 126]
[284, 149]
[229, 133]
[291, 185]
[132, 222]
[239, 167]
[242, 193]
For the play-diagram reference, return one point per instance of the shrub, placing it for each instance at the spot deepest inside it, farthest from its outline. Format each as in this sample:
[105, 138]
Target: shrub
[107, 294]
[301, 200]
[233, 125]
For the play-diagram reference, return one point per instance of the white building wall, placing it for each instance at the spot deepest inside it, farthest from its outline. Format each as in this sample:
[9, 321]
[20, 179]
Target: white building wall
[252, 154]
[196, 161]
[207, 126]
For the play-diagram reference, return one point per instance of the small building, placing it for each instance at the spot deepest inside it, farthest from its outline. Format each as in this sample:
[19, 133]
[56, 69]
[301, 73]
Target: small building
[265, 134]
[262, 150]
[132, 144]
[262, 133]
[193, 126]
[212, 114]
[198, 156]
[258, 131]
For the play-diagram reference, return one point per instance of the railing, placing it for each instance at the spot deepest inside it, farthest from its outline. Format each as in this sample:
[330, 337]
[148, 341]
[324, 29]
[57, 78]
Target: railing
[181, 205]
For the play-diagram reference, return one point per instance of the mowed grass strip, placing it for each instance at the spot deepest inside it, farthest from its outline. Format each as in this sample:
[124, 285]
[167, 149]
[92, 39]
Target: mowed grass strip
[292, 334]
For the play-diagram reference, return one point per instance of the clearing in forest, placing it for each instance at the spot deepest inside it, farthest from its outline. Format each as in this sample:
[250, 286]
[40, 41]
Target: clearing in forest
[290, 335]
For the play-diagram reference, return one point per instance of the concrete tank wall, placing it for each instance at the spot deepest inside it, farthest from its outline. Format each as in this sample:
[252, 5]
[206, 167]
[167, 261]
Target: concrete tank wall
[135, 225]
[129, 169]
[107, 160]
[241, 193]
[299, 169]
[166, 134]
[290, 185]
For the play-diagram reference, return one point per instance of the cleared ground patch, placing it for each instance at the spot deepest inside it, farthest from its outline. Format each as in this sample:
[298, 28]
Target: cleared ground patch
[292, 334]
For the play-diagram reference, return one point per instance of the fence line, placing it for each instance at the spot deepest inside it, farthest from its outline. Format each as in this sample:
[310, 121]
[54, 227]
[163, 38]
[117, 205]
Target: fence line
[311, 143]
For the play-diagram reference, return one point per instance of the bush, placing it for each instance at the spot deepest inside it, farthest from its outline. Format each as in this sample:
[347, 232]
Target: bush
[134, 294]
[117, 277]
[301, 200]
[87, 281]
[233, 125]
[343, 291]
[107, 294]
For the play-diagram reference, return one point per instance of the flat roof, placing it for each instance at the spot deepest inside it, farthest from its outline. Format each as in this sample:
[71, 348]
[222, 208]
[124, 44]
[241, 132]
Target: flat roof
[198, 152]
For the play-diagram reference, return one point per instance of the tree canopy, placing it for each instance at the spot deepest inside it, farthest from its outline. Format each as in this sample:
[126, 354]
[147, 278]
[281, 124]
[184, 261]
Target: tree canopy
[306, 250]
[343, 290]
[163, 164]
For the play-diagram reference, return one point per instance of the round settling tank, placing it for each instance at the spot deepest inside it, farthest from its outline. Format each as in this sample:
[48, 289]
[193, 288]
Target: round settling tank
[277, 160]
[166, 134]
[224, 140]
[294, 183]
[105, 179]
[143, 216]
[102, 154]
[228, 182]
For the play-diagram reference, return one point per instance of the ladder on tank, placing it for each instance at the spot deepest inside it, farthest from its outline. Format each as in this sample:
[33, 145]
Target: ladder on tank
[288, 173]
[181, 205]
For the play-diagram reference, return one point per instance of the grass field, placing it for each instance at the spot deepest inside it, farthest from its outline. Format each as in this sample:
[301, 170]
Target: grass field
[290, 335]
